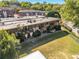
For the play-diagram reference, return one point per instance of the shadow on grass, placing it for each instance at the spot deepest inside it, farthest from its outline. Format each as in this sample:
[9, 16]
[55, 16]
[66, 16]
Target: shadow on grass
[27, 47]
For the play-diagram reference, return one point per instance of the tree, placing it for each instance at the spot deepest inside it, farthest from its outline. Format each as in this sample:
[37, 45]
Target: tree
[12, 0]
[4, 4]
[25, 4]
[53, 14]
[56, 7]
[47, 7]
[8, 46]
[42, 6]
[37, 6]
[70, 11]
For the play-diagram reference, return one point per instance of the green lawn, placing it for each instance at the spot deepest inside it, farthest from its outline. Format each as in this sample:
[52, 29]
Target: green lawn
[61, 45]
[44, 40]
[61, 48]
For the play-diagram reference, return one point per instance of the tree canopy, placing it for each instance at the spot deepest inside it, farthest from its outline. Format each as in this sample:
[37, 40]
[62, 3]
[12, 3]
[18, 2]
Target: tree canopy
[70, 11]
[25, 4]
[8, 46]
[45, 6]
[53, 14]
[4, 4]
[36, 6]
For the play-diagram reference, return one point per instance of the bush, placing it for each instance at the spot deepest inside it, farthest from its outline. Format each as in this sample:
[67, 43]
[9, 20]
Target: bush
[57, 27]
[49, 28]
[20, 36]
[53, 14]
[36, 33]
[8, 46]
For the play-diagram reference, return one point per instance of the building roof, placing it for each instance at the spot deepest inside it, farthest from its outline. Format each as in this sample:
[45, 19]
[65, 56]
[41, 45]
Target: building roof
[11, 24]
[6, 8]
[34, 55]
[31, 11]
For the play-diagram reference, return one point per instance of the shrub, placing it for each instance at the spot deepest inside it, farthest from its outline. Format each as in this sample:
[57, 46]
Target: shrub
[36, 33]
[53, 14]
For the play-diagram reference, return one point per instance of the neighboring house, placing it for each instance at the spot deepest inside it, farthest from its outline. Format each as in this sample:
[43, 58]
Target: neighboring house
[11, 12]
[35, 55]
[28, 18]
[6, 12]
[32, 13]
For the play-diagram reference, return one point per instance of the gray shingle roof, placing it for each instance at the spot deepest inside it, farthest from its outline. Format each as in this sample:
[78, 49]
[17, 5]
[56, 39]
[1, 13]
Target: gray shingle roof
[32, 11]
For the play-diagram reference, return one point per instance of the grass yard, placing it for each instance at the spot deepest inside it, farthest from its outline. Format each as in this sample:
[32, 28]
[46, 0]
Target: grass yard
[59, 45]
[27, 47]
[61, 48]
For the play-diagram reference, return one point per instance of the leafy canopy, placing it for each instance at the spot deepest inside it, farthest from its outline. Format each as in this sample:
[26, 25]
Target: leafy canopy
[70, 11]
[8, 46]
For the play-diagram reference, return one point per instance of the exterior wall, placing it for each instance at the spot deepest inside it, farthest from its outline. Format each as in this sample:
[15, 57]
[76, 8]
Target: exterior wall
[41, 26]
[6, 13]
[32, 14]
